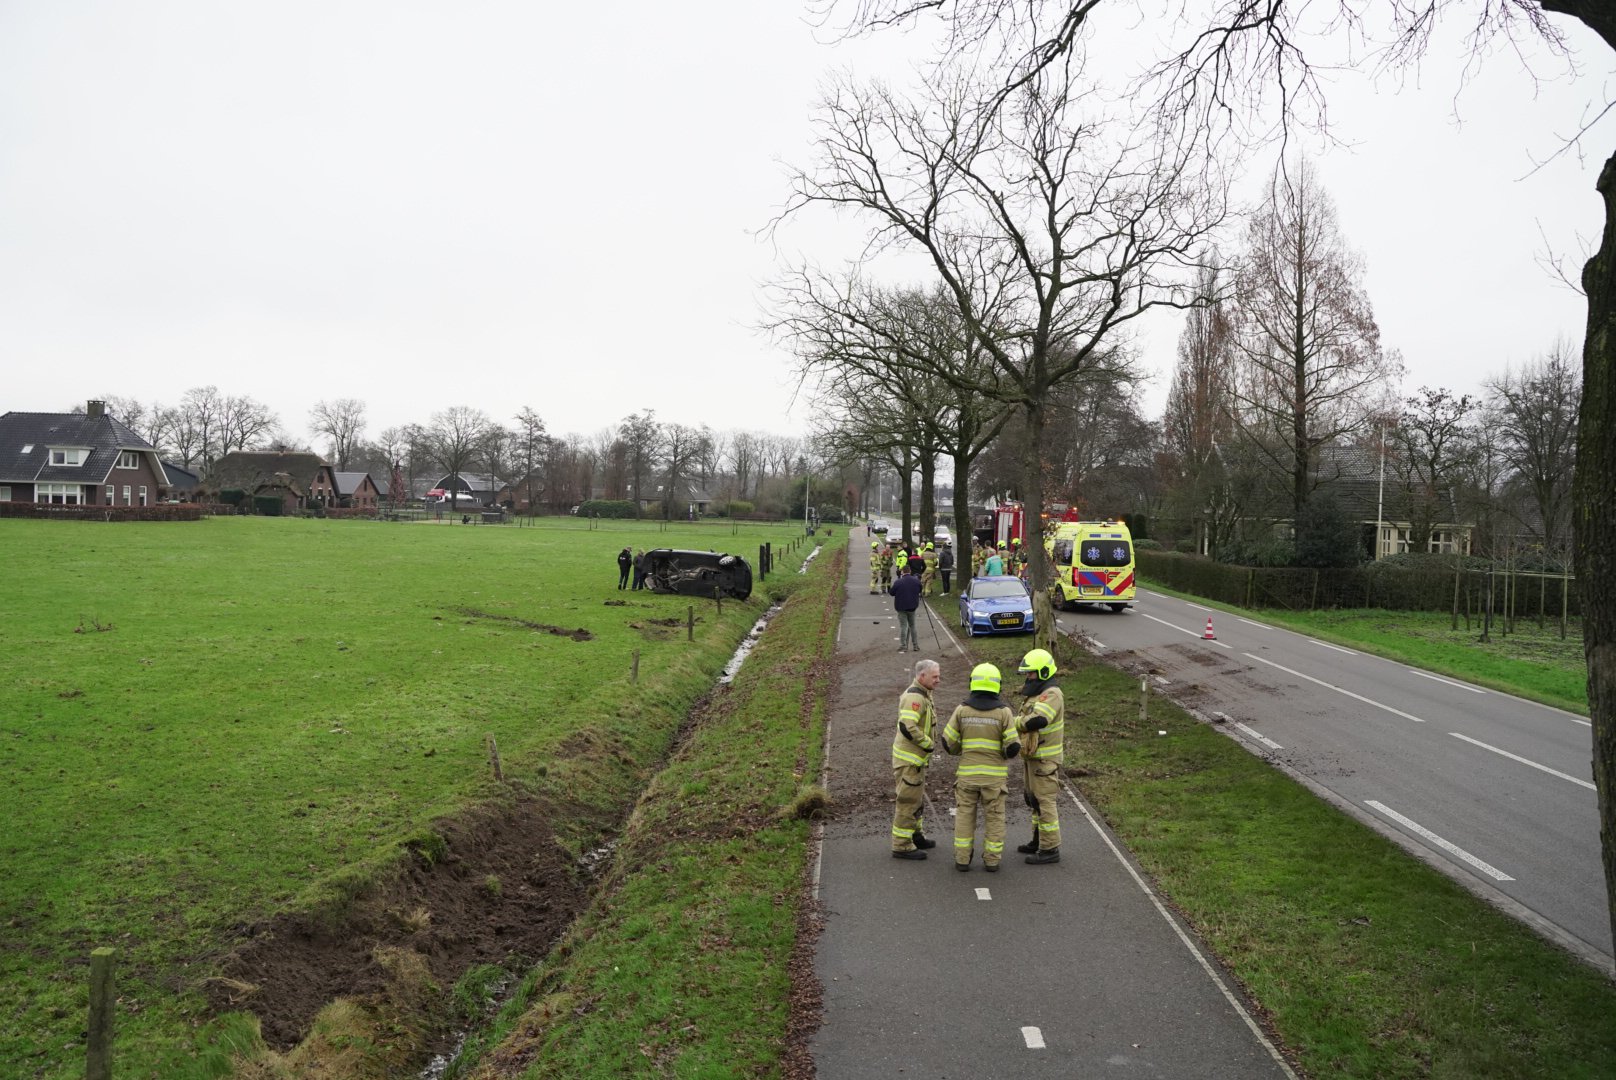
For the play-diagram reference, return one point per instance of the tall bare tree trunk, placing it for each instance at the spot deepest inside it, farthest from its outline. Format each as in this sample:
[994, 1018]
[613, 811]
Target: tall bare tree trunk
[964, 543]
[1033, 545]
[1594, 521]
[928, 496]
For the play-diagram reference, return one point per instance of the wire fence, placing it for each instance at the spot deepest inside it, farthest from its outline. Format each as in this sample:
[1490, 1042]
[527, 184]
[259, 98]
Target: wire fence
[1469, 592]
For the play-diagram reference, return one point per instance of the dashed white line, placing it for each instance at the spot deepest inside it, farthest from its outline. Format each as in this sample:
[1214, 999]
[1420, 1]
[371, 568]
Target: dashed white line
[1265, 740]
[1453, 849]
[1181, 630]
[1440, 679]
[983, 894]
[1198, 607]
[1523, 761]
[1258, 625]
[1034, 1037]
[1327, 645]
[1337, 689]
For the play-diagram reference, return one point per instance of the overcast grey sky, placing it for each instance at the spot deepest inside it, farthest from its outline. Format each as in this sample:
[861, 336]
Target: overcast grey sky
[501, 204]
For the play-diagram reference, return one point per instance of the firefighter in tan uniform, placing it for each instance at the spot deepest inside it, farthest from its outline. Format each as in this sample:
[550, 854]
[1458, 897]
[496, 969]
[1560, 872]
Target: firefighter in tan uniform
[982, 731]
[911, 750]
[1041, 725]
[886, 566]
[929, 575]
[979, 556]
[875, 567]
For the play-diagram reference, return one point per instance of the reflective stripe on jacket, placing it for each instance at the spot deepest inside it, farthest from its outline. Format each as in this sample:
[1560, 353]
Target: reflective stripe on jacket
[981, 737]
[915, 713]
[1050, 703]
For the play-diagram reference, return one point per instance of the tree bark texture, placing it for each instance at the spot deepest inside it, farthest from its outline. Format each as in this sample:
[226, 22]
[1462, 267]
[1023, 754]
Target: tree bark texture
[1594, 520]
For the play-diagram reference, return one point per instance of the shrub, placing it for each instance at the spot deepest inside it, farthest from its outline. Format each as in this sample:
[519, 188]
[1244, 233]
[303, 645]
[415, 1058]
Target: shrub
[267, 505]
[739, 507]
[1147, 544]
[1185, 546]
[609, 508]
[232, 496]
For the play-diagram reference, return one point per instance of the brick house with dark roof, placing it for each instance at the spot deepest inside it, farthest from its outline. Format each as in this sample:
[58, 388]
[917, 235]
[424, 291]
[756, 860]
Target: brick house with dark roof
[297, 479]
[357, 490]
[77, 459]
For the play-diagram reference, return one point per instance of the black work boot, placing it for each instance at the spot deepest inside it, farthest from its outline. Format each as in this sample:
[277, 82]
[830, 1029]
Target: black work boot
[1045, 855]
[1031, 847]
[924, 843]
[910, 854]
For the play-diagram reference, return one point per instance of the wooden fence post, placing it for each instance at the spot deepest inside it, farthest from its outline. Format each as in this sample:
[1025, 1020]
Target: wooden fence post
[718, 598]
[690, 623]
[98, 1058]
[493, 757]
[1565, 586]
[1144, 700]
[634, 673]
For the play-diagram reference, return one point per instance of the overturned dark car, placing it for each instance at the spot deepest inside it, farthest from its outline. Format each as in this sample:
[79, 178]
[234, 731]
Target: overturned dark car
[697, 573]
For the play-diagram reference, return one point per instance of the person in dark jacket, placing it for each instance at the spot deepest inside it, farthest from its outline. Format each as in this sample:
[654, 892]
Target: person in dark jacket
[906, 601]
[625, 564]
[945, 565]
[640, 569]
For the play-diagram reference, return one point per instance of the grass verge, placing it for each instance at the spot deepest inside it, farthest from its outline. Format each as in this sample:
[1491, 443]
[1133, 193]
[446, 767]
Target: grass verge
[1368, 962]
[680, 967]
[1530, 662]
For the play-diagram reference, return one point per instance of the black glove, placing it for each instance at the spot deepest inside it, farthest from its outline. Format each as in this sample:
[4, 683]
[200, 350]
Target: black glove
[904, 730]
[1012, 750]
[1028, 798]
[1037, 723]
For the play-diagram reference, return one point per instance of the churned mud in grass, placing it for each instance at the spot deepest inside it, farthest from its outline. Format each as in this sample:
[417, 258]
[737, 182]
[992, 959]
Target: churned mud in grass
[578, 634]
[490, 886]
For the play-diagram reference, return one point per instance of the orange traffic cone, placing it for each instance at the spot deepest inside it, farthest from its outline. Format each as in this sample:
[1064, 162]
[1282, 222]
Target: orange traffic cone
[1209, 635]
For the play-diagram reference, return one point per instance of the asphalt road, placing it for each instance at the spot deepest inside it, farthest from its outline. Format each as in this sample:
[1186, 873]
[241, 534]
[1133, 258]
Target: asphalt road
[1495, 790]
[1068, 970]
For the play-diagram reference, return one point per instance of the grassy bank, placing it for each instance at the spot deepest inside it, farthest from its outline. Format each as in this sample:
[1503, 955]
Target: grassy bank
[211, 722]
[1530, 662]
[1370, 963]
[680, 968]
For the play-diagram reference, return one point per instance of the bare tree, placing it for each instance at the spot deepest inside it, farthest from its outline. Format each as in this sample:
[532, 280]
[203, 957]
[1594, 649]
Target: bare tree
[532, 445]
[342, 422]
[743, 458]
[1307, 347]
[1538, 407]
[1050, 225]
[453, 440]
[245, 423]
[1434, 445]
[682, 446]
[641, 436]
[197, 433]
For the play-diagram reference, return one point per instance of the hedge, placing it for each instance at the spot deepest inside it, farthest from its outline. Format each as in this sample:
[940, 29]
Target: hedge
[59, 512]
[609, 508]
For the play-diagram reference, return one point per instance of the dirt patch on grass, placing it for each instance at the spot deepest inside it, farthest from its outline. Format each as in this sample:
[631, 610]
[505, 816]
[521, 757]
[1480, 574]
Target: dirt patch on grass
[498, 887]
[577, 634]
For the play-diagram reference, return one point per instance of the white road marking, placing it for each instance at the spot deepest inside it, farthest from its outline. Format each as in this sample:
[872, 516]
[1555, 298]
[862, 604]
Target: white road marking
[1571, 715]
[1523, 761]
[1181, 630]
[1337, 689]
[1327, 645]
[1452, 849]
[1034, 1037]
[1211, 973]
[1440, 679]
[1258, 625]
[983, 894]
[1198, 607]
[1265, 740]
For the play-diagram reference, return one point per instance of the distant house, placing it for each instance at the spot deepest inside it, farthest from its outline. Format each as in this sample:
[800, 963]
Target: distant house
[77, 459]
[356, 490]
[296, 479]
[479, 489]
[183, 484]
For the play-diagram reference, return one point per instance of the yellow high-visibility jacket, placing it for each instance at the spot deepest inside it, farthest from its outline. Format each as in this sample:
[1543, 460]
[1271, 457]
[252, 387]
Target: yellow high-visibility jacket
[1047, 742]
[915, 713]
[984, 736]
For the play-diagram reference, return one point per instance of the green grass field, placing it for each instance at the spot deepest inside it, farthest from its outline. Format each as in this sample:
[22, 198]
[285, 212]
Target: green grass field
[209, 722]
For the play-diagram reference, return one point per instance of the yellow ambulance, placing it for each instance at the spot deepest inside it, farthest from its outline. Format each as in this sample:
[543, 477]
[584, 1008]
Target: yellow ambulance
[1093, 564]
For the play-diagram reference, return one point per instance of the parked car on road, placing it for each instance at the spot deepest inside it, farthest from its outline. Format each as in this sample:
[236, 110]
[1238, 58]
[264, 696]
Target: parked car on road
[995, 605]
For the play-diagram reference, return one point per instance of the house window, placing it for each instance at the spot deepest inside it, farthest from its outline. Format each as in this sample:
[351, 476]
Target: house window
[128, 459]
[126, 495]
[67, 455]
[112, 495]
[142, 494]
[60, 494]
[28, 448]
[5, 493]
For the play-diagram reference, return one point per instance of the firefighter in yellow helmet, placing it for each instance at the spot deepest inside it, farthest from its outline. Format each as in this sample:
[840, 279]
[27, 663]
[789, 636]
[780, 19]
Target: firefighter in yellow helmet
[979, 556]
[911, 750]
[982, 730]
[1040, 726]
[886, 566]
[875, 567]
[929, 575]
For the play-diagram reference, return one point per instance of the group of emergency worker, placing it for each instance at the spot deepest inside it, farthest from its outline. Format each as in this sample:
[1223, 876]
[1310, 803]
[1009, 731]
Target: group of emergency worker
[987, 733]
[1007, 560]
[924, 561]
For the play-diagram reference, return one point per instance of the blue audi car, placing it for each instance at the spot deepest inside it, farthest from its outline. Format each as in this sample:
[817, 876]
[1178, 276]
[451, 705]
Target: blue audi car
[995, 605]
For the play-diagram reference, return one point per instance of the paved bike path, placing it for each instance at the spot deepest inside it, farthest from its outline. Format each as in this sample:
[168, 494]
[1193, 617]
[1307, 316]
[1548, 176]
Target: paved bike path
[1071, 970]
